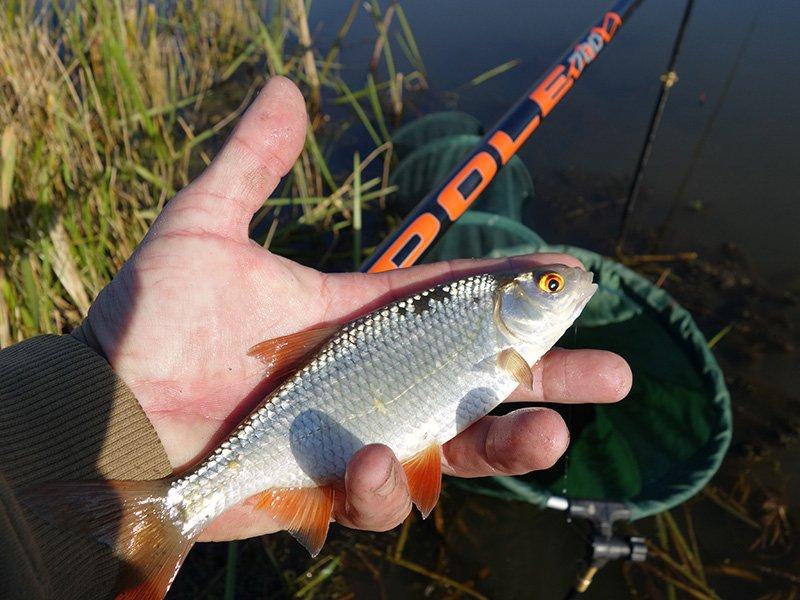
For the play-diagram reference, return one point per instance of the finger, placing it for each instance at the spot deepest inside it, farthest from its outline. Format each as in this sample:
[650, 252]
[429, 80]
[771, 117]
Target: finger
[376, 492]
[528, 439]
[356, 293]
[577, 376]
[262, 148]
[401, 280]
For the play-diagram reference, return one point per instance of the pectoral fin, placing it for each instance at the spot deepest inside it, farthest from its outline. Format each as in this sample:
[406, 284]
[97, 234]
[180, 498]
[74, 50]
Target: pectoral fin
[511, 361]
[304, 512]
[424, 475]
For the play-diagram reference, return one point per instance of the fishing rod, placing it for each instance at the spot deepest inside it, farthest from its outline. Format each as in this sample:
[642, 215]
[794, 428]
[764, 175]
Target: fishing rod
[443, 206]
[668, 79]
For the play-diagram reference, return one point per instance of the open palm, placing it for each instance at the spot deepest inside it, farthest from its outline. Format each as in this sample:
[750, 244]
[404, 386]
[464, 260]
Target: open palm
[176, 323]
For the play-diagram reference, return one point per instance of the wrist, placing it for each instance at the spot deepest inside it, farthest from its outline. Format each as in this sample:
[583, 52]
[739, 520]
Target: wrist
[84, 333]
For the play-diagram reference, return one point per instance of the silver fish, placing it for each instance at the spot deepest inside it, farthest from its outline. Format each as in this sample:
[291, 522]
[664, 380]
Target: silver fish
[410, 375]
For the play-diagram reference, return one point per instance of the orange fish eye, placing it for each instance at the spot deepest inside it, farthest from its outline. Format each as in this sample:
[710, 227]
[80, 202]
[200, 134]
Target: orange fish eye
[551, 282]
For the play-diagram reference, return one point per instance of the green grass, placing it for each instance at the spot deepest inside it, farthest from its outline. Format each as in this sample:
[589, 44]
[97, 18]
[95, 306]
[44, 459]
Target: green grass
[108, 108]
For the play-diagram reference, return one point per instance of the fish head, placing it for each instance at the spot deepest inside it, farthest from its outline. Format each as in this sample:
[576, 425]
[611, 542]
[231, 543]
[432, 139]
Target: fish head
[538, 306]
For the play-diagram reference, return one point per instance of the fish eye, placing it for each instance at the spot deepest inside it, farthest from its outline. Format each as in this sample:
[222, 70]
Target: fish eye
[551, 282]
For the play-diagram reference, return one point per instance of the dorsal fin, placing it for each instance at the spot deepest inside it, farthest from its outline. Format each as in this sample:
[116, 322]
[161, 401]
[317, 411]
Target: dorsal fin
[304, 512]
[285, 354]
[424, 474]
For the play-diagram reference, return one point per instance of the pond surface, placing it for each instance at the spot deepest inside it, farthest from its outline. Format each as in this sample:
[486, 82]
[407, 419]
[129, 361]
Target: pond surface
[737, 54]
[723, 177]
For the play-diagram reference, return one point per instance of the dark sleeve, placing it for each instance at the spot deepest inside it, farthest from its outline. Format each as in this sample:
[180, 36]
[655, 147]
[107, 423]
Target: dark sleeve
[64, 415]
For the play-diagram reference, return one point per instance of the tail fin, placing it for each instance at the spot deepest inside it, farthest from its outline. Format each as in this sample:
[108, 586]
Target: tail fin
[130, 517]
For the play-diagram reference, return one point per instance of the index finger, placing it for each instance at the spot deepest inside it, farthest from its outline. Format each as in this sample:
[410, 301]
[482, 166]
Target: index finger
[404, 280]
[577, 376]
[358, 293]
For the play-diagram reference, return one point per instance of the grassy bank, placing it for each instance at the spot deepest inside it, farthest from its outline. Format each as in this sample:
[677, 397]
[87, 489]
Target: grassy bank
[108, 108]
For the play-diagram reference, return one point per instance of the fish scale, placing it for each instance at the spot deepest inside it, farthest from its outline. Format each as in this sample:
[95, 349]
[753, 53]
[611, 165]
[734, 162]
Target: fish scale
[382, 379]
[411, 374]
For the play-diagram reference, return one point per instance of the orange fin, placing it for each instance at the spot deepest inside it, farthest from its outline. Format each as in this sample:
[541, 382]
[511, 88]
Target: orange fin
[424, 474]
[304, 512]
[285, 354]
[129, 517]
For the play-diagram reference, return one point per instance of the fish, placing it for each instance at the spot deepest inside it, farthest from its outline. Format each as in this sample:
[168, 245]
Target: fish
[411, 375]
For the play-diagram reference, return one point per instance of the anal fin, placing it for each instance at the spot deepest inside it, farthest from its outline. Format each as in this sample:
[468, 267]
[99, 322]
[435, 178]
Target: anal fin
[304, 512]
[424, 475]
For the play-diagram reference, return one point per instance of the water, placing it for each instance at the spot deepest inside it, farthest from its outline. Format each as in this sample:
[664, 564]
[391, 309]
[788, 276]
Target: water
[729, 133]
[746, 178]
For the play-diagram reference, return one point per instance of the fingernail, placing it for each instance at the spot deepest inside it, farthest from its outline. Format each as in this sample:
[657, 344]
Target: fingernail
[389, 483]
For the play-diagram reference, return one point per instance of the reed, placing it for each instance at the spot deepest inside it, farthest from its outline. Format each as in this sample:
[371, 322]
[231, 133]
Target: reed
[108, 108]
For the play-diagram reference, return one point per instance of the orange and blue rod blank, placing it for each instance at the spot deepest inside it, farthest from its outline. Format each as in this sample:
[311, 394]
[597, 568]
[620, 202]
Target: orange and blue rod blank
[444, 205]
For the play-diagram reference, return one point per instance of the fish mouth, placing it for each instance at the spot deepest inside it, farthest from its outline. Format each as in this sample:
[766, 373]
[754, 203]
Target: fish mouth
[586, 290]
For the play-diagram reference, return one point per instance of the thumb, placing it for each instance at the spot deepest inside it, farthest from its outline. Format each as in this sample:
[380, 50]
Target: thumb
[262, 148]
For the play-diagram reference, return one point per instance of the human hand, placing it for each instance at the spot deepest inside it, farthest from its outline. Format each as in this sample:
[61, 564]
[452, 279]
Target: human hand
[177, 320]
